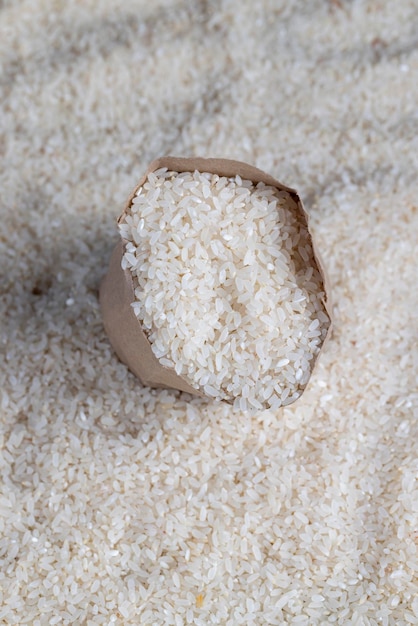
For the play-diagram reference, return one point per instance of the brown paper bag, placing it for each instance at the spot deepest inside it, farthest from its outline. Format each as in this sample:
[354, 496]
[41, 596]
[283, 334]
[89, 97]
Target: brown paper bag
[117, 291]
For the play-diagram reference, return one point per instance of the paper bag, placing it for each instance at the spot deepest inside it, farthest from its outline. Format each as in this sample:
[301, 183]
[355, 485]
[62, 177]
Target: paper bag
[117, 290]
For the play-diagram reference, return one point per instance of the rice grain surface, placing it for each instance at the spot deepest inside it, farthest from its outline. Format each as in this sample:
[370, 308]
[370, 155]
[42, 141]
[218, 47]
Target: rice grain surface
[125, 505]
[226, 285]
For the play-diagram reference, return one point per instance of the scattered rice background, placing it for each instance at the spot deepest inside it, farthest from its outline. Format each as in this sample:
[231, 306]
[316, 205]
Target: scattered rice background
[124, 505]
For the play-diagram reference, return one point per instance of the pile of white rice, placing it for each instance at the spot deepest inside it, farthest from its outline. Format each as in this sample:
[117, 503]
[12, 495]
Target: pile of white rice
[129, 506]
[226, 285]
